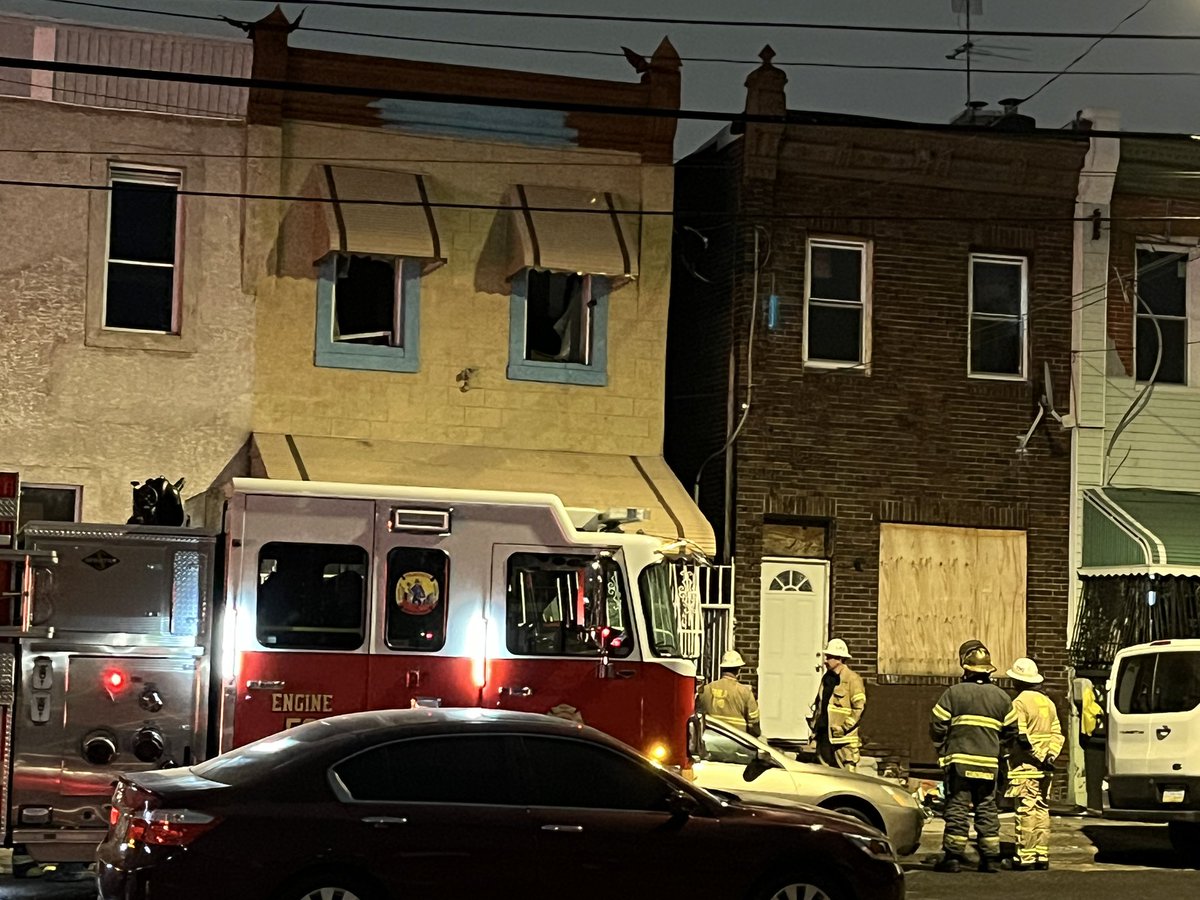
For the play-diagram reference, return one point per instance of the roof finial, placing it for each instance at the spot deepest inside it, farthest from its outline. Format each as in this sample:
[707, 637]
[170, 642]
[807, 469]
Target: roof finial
[767, 54]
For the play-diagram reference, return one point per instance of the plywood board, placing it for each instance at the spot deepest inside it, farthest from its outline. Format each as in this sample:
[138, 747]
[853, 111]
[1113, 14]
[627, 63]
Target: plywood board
[940, 586]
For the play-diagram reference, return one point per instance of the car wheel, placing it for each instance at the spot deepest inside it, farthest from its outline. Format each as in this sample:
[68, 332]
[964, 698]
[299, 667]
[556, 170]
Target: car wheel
[328, 886]
[855, 813]
[799, 887]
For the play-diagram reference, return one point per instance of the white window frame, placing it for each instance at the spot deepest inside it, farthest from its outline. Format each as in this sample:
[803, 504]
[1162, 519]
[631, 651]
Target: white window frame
[865, 273]
[76, 489]
[1022, 317]
[1191, 293]
[154, 175]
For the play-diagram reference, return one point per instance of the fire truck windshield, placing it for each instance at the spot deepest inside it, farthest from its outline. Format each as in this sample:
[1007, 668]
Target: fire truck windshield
[656, 584]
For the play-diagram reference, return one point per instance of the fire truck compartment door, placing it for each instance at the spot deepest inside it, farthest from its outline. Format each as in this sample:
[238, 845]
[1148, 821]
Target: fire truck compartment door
[302, 598]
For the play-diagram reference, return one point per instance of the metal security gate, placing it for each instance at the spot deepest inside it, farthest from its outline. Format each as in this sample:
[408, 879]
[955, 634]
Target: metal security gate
[704, 611]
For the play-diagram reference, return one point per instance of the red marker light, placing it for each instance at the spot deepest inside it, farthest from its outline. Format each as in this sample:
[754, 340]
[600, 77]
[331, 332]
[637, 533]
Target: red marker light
[114, 680]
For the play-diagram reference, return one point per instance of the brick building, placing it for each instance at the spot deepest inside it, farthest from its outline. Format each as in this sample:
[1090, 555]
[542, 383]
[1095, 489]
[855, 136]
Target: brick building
[906, 287]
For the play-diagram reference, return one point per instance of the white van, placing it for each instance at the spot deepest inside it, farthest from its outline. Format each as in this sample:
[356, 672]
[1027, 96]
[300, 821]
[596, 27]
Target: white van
[1154, 739]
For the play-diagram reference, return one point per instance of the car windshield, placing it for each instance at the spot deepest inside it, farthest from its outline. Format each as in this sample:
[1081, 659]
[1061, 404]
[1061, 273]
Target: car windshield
[1159, 683]
[658, 602]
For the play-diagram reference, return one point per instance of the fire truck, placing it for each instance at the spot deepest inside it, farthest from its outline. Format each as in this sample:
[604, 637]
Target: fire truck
[135, 647]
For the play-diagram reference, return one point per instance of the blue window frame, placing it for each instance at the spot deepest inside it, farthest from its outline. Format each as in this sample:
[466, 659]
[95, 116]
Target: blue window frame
[378, 324]
[558, 328]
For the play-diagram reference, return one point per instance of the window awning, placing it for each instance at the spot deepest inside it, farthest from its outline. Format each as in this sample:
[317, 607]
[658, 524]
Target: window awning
[1130, 531]
[569, 230]
[392, 217]
[597, 481]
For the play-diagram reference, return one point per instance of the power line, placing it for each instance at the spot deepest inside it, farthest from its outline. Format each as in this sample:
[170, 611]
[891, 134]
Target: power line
[725, 23]
[615, 54]
[792, 117]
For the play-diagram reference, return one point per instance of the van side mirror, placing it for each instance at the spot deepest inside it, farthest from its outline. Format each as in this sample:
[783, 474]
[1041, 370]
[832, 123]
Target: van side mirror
[761, 762]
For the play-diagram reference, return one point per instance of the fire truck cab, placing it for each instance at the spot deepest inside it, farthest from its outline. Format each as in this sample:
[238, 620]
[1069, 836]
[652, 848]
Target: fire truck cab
[342, 597]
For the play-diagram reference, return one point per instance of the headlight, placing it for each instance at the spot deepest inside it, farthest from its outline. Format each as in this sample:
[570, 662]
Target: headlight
[901, 798]
[877, 847]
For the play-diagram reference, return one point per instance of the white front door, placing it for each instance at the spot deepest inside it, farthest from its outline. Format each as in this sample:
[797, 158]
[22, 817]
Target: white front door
[794, 601]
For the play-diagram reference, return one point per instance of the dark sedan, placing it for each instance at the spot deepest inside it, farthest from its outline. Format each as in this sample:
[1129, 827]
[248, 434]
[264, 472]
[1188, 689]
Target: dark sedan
[431, 803]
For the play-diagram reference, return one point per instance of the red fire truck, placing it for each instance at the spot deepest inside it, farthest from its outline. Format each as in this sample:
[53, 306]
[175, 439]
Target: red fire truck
[334, 598]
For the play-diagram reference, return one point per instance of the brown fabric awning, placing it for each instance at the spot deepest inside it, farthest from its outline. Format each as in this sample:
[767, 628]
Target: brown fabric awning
[570, 230]
[400, 223]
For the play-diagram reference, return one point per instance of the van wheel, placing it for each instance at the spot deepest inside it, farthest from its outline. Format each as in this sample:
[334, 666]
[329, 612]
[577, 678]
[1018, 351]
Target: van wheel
[1185, 840]
[800, 887]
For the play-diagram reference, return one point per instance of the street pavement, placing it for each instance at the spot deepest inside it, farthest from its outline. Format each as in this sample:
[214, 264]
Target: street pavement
[1088, 858]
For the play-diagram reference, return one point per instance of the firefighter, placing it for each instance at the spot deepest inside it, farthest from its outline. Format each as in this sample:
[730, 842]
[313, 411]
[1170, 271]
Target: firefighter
[838, 709]
[1039, 740]
[968, 725]
[728, 700]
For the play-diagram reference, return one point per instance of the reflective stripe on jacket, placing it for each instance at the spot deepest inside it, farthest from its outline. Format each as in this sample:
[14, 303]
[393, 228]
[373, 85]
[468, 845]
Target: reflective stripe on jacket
[729, 701]
[968, 725]
[1039, 734]
[846, 706]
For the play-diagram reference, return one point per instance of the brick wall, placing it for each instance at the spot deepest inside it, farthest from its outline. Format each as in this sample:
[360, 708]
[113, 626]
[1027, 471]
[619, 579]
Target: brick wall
[913, 439]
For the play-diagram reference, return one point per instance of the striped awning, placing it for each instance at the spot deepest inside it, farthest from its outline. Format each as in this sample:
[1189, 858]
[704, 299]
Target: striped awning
[379, 212]
[1140, 531]
[571, 230]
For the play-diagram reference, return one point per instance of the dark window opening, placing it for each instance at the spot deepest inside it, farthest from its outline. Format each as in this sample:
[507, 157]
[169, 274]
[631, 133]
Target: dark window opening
[311, 596]
[367, 301]
[417, 581]
[558, 317]
[1159, 683]
[1161, 298]
[997, 317]
[140, 283]
[48, 504]
[836, 305]
[562, 605]
[475, 769]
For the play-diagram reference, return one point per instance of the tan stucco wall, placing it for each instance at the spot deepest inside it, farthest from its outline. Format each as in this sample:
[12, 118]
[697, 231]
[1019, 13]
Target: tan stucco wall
[76, 413]
[461, 327]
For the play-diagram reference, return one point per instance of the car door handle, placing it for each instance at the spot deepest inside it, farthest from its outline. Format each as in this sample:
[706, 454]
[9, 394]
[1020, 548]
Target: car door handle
[565, 829]
[384, 821]
[265, 685]
[515, 691]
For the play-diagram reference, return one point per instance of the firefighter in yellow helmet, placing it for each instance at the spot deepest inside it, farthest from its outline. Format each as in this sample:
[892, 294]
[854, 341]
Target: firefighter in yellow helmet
[728, 700]
[838, 709]
[1038, 742]
[968, 725]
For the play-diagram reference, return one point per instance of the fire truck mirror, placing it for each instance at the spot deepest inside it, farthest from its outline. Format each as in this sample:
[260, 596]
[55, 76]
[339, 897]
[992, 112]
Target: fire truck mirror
[99, 748]
[151, 700]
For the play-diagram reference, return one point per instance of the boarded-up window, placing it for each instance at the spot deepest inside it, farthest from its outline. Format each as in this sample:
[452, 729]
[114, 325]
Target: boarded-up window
[941, 586]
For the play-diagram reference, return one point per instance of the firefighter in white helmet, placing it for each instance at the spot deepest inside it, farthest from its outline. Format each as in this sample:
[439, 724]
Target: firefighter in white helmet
[728, 700]
[838, 708]
[1031, 756]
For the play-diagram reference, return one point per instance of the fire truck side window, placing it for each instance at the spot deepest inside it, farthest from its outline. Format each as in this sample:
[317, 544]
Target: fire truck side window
[311, 596]
[417, 580]
[560, 605]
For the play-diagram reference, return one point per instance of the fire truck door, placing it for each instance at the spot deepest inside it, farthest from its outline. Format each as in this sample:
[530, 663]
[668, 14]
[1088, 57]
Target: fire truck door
[548, 609]
[301, 599]
[428, 611]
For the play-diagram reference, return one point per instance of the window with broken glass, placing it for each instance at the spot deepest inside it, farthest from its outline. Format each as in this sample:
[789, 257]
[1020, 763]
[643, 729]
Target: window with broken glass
[367, 316]
[558, 327]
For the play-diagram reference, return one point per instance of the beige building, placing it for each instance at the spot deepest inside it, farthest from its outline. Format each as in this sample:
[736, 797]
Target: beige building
[126, 341]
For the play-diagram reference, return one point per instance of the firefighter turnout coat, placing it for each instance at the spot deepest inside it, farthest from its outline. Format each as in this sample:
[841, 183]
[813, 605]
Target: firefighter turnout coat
[846, 706]
[1038, 735]
[969, 724]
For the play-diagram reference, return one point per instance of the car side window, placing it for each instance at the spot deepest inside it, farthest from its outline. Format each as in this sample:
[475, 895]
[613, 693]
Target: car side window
[474, 769]
[577, 775]
[722, 749]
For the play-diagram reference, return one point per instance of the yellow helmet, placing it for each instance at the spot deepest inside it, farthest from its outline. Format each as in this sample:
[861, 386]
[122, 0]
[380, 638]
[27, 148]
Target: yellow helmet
[978, 659]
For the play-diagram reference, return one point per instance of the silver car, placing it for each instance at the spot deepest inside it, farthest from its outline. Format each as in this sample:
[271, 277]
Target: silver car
[739, 764]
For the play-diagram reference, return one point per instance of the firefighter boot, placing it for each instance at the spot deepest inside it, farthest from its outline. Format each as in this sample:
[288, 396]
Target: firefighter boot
[950, 862]
[987, 864]
[1012, 864]
[1042, 865]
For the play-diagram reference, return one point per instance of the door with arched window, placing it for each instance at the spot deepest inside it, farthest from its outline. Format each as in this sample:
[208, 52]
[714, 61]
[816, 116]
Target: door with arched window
[794, 602]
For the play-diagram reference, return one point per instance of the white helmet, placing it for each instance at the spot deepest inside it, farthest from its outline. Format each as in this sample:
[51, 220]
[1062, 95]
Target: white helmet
[1026, 670]
[732, 660]
[837, 647]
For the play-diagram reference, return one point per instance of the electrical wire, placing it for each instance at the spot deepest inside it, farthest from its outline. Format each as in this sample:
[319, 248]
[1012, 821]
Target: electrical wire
[719, 23]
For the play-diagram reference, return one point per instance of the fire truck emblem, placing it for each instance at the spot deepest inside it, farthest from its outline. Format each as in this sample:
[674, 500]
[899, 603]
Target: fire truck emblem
[417, 593]
[101, 560]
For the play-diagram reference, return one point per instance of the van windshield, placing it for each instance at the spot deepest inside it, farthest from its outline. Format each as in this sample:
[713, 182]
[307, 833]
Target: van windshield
[1158, 683]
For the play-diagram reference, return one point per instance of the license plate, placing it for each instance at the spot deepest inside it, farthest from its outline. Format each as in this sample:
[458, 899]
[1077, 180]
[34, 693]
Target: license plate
[1173, 796]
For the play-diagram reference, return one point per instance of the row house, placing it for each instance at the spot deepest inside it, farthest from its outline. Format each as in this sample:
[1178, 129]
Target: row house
[875, 310]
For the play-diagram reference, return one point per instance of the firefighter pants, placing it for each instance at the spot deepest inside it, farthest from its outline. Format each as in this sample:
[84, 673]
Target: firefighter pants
[962, 794]
[1033, 815]
[839, 756]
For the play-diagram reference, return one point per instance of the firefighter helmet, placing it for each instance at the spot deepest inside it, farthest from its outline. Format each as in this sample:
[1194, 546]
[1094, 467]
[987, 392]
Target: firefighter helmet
[978, 659]
[1025, 670]
[837, 648]
[731, 659]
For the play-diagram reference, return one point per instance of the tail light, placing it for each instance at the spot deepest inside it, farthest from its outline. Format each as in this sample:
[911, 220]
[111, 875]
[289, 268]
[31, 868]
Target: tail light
[137, 818]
